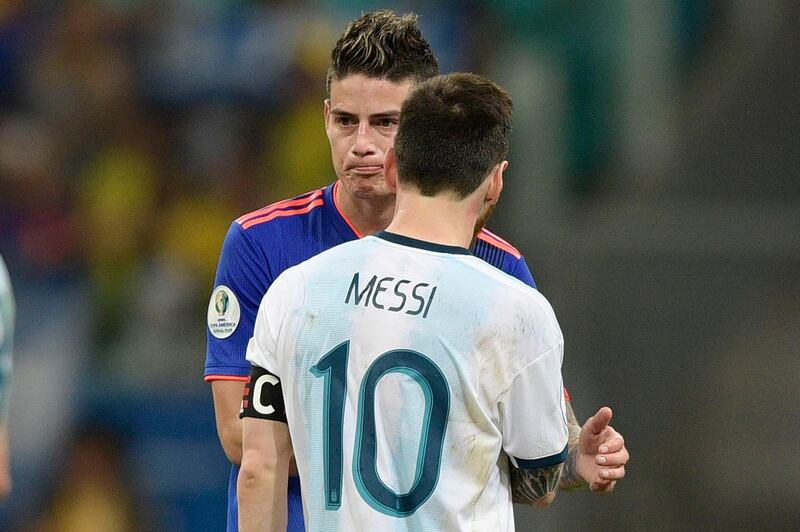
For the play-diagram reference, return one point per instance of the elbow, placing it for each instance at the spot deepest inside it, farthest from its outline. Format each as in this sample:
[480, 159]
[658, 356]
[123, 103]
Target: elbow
[249, 476]
[260, 473]
[545, 501]
[254, 470]
[233, 452]
[257, 464]
[231, 440]
[535, 500]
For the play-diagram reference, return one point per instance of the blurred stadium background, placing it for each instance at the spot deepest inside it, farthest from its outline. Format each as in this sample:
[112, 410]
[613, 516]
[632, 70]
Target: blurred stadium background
[654, 189]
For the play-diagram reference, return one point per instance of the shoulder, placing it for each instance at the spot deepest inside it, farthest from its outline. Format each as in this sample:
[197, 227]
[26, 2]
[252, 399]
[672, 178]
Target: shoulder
[529, 311]
[282, 211]
[502, 255]
[518, 315]
[263, 231]
[503, 286]
[486, 240]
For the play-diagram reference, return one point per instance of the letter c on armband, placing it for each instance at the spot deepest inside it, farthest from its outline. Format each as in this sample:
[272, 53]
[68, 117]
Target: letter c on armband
[263, 396]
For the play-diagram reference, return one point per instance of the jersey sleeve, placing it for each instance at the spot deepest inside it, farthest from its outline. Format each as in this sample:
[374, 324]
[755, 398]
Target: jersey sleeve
[524, 274]
[264, 348]
[521, 271]
[242, 279]
[533, 414]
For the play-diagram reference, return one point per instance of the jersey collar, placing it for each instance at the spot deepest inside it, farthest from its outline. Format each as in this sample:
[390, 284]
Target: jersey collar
[422, 244]
[341, 223]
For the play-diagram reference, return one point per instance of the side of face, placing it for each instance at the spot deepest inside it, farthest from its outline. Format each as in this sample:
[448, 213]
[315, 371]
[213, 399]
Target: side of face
[361, 120]
[493, 190]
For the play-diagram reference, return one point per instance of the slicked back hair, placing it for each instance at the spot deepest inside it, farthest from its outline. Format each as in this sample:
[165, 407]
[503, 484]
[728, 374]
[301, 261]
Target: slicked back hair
[453, 130]
[380, 44]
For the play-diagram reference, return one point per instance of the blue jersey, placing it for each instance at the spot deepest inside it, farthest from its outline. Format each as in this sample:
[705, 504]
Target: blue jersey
[259, 246]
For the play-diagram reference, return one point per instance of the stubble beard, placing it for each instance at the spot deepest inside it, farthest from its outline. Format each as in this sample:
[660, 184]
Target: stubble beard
[481, 221]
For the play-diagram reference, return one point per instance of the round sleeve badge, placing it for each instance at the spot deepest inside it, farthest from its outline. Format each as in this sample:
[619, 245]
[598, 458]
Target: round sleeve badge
[223, 312]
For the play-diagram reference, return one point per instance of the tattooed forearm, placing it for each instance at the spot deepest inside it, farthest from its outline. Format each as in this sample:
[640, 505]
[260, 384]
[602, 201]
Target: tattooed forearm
[570, 480]
[536, 487]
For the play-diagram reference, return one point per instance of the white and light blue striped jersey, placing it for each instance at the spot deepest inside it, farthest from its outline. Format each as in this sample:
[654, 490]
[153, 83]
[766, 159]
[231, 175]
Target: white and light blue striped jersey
[408, 370]
[6, 337]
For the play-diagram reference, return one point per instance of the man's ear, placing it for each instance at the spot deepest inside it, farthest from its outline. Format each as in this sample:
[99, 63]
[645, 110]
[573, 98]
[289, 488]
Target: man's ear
[326, 113]
[390, 170]
[495, 183]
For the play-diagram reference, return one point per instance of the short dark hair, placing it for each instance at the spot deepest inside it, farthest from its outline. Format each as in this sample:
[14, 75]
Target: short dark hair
[380, 44]
[453, 130]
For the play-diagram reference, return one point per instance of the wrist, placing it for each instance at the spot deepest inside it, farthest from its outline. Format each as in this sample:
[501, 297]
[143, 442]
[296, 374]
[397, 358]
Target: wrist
[573, 476]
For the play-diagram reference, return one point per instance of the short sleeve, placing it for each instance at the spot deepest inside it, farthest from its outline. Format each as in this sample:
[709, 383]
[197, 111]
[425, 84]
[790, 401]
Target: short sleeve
[242, 279]
[533, 417]
[275, 319]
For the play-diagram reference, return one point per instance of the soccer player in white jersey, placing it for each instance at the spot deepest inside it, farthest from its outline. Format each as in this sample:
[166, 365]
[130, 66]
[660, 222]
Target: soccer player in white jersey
[6, 338]
[400, 367]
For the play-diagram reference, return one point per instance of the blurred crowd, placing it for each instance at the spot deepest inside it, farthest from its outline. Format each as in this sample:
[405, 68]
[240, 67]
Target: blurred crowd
[129, 138]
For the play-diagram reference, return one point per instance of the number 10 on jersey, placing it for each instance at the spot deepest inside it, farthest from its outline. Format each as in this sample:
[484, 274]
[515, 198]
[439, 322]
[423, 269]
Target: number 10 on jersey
[333, 369]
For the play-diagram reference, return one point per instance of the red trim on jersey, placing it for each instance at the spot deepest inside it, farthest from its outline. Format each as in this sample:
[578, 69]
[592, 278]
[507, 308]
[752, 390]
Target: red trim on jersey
[209, 378]
[284, 204]
[566, 395]
[493, 239]
[280, 214]
[339, 210]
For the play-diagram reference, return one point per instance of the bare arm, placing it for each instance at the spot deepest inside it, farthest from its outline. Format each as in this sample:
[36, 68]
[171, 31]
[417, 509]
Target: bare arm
[536, 487]
[570, 480]
[261, 488]
[5, 469]
[227, 402]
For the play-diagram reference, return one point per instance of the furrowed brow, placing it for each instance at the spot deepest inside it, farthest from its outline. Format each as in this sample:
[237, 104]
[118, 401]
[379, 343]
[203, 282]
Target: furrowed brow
[386, 114]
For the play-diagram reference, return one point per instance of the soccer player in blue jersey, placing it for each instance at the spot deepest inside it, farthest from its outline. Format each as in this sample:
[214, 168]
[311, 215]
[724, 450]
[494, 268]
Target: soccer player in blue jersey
[402, 365]
[374, 65]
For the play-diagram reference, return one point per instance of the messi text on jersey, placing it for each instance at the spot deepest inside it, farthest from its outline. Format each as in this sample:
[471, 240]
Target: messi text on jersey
[392, 294]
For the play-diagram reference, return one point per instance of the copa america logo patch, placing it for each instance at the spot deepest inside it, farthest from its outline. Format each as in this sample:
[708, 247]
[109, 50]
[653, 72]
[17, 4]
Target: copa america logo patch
[223, 312]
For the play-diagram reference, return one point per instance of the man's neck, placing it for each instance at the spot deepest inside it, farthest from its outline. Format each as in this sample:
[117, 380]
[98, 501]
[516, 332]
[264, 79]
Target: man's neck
[368, 216]
[434, 219]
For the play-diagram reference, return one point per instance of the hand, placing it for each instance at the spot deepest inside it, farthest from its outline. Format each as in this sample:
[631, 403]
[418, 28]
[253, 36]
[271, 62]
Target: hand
[602, 453]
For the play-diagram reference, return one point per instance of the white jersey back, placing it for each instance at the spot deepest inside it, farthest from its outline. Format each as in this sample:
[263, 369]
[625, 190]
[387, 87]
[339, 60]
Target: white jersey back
[409, 370]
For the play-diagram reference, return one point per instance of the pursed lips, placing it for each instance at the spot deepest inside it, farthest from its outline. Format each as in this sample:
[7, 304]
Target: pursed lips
[366, 169]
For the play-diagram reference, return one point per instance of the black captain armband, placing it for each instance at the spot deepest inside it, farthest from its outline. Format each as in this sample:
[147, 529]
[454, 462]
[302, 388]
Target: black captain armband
[263, 396]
